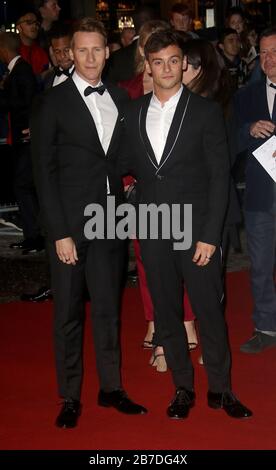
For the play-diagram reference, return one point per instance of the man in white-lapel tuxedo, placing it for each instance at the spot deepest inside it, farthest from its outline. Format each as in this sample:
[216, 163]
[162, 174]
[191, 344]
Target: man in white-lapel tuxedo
[179, 156]
[76, 128]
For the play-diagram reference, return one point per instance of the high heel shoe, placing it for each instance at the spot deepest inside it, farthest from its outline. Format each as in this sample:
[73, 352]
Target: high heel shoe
[158, 361]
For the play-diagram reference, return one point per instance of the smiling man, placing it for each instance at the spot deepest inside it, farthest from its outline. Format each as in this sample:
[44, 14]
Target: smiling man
[179, 156]
[76, 129]
[256, 110]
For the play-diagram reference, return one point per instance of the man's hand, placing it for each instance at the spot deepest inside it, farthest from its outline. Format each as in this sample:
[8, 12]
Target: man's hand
[203, 253]
[262, 129]
[274, 154]
[66, 251]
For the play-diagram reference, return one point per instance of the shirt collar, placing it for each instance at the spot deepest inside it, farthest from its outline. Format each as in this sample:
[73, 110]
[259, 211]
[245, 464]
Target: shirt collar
[171, 102]
[13, 62]
[268, 83]
[82, 84]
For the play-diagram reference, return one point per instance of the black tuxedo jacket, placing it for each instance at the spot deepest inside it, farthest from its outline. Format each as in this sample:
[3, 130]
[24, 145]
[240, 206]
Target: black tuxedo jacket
[16, 98]
[69, 162]
[194, 168]
[48, 79]
[251, 106]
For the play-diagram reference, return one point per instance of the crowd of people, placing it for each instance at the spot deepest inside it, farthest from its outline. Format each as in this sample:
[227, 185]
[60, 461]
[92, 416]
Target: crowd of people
[170, 112]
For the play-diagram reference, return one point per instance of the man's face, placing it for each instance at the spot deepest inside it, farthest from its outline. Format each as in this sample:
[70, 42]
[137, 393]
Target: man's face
[231, 45]
[50, 10]
[89, 53]
[61, 50]
[181, 22]
[236, 22]
[268, 57]
[28, 26]
[166, 67]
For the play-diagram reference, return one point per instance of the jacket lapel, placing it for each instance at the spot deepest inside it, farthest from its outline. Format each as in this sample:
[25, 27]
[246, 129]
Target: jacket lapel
[120, 118]
[143, 132]
[83, 114]
[176, 124]
[262, 97]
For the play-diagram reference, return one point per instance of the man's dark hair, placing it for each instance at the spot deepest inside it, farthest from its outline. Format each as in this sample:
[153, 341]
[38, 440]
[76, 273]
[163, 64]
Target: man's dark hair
[23, 11]
[181, 9]
[234, 11]
[39, 3]
[223, 33]
[161, 40]
[268, 32]
[60, 30]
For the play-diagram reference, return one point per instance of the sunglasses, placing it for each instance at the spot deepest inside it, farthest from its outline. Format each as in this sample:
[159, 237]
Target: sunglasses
[30, 22]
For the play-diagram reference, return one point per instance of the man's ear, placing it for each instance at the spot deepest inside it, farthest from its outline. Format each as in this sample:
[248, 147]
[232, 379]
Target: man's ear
[107, 52]
[71, 55]
[185, 63]
[220, 46]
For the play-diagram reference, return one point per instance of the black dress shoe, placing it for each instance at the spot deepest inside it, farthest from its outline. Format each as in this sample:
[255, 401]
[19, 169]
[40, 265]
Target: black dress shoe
[118, 399]
[29, 245]
[20, 245]
[229, 403]
[180, 406]
[41, 295]
[34, 246]
[258, 343]
[68, 416]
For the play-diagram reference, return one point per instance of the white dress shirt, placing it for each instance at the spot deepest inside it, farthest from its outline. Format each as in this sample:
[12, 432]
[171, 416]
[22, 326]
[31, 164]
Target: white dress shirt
[103, 111]
[62, 78]
[270, 93]
[159, 120]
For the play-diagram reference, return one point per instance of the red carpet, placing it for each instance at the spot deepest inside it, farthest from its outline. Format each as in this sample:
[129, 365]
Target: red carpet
[29, 403]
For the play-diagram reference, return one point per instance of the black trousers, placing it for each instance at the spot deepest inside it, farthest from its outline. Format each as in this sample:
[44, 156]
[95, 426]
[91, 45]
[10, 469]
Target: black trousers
[24, 190]
[166, 271]
[100, 266]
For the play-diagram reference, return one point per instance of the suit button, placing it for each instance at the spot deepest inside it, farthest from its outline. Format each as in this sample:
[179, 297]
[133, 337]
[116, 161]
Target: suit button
[159, 177]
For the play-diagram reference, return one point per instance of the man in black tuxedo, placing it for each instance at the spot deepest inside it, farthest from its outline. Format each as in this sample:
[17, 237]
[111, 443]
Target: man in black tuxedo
[76, 128]
[16, 98]
[60, 43]
[256, 113]
[179, 156]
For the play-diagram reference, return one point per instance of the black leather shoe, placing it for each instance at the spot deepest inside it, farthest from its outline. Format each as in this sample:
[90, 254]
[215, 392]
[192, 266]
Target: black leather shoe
[34, 246]
[20, 245]
[118, 399]
[41, 295]
[29, 245]
[180, 406]
[258, 343]
[229, 403]
[69, 414]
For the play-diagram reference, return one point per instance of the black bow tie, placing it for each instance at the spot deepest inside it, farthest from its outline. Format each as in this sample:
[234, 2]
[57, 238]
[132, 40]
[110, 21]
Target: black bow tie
[99, 89]
[59, 72]
[273, 86]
